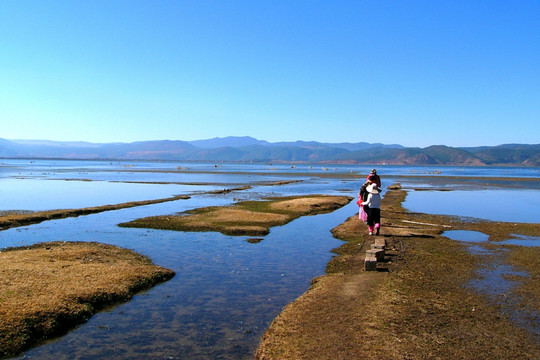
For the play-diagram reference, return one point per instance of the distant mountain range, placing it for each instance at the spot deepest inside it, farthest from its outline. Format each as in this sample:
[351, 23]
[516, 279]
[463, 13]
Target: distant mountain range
[248, 149]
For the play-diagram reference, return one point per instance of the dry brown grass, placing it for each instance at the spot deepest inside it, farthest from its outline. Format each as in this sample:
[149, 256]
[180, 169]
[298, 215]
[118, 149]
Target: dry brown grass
[415, 307]
[527, 259]
[48, 288]
[251, 218]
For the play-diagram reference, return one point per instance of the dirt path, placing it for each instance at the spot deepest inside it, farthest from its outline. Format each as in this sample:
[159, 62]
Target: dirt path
[414, 307]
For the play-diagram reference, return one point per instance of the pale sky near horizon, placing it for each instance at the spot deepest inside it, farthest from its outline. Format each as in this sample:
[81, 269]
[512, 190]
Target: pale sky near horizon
[415, 73]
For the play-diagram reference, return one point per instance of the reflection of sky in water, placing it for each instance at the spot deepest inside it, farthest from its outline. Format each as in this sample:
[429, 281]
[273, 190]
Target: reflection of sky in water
[30, 194]
[226, 291]
[523, 240]
[12, 167]
[466, 235]
[508, 205]
[223, 297]
[492, 278]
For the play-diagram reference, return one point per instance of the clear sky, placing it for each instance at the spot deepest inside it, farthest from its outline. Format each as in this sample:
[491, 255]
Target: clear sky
[416, 73]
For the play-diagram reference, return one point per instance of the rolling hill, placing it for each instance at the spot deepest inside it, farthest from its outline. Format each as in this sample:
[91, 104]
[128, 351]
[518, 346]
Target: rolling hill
[248, 149]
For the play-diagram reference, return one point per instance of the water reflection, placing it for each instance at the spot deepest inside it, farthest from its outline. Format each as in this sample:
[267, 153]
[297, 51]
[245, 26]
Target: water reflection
[32, 194]
[224, 295]
[522, 240]
[508, 205]
[466, 235]
[493, 278]
[226, 290]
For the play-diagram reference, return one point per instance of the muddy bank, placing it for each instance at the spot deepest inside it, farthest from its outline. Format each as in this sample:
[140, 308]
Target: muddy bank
[251, 218]
[418, 304]
[47, 289]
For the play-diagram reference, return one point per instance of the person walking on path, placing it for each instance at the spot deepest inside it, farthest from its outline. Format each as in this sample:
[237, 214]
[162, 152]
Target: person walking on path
[373, 202]
[362, 196]
[373, 177]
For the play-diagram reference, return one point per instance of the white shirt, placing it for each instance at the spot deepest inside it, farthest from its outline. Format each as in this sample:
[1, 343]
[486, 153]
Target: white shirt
[373, 201]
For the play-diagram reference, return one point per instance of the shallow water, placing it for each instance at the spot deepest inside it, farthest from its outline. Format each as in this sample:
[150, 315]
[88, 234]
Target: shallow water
[35, 195]
[226, 290]
[466, 236]
[508, 205]
[493, 277]
[224, 294]
[522, 240]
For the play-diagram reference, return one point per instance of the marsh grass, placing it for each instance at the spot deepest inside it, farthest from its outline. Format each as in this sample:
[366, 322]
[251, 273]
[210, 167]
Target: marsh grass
[48, 288]
[417, 306]
[527, 259]
[251, 218]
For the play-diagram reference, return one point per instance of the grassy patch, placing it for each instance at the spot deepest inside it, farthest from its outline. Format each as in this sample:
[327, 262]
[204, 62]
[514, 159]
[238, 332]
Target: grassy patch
[527, 259]
[48, 288]
[251, 218]
[416, 307]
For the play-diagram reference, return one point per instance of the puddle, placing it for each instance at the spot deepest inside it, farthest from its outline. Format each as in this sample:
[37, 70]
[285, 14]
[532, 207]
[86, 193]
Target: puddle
[494, 277]
[522, 240]
[466, 236]
[494, 281]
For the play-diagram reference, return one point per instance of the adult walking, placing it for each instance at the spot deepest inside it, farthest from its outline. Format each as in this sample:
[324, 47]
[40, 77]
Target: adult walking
[373, 177]
[373, 202]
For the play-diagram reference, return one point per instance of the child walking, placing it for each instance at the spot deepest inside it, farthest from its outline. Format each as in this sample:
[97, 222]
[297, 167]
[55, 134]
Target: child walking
[373, 202]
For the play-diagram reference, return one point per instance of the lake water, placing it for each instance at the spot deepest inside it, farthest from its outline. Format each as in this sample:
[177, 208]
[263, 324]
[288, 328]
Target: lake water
[508, 205]
[226, 290]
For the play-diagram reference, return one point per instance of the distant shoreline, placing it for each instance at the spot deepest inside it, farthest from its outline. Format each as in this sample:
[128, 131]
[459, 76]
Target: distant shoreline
[276, 162]
[247, 149]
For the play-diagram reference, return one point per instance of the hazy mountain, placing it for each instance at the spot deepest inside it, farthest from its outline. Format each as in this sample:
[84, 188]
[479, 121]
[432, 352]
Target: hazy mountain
[230, 141]
[508, 153]
[250, 149]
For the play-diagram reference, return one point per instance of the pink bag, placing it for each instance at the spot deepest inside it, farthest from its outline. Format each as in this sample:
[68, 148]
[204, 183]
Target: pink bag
[362, 214]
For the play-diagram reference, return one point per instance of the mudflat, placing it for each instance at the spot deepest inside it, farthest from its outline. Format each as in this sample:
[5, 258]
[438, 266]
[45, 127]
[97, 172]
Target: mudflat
[417, 305]
[251, 218]
[48, 288]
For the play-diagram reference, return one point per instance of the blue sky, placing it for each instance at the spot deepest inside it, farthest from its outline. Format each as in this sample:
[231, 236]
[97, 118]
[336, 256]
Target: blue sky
[416, 73]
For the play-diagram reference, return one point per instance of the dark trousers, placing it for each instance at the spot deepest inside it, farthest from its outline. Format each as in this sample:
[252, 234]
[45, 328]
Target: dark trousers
[373, 216]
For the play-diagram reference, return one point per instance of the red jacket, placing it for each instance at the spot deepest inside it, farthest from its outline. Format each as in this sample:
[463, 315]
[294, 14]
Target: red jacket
[375, 178]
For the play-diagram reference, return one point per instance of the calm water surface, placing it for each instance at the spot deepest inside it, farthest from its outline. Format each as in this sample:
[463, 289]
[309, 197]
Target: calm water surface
[508, 205]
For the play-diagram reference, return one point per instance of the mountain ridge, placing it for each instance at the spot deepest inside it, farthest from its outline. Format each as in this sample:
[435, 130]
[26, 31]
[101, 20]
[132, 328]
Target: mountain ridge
[249, 149]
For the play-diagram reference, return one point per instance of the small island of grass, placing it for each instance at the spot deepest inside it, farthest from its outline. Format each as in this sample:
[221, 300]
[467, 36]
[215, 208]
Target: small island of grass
[48, 288]
[251, 218]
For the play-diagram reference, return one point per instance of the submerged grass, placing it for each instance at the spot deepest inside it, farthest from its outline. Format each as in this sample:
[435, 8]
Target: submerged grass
[47, 289]
[415, 307]
[251, 218]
